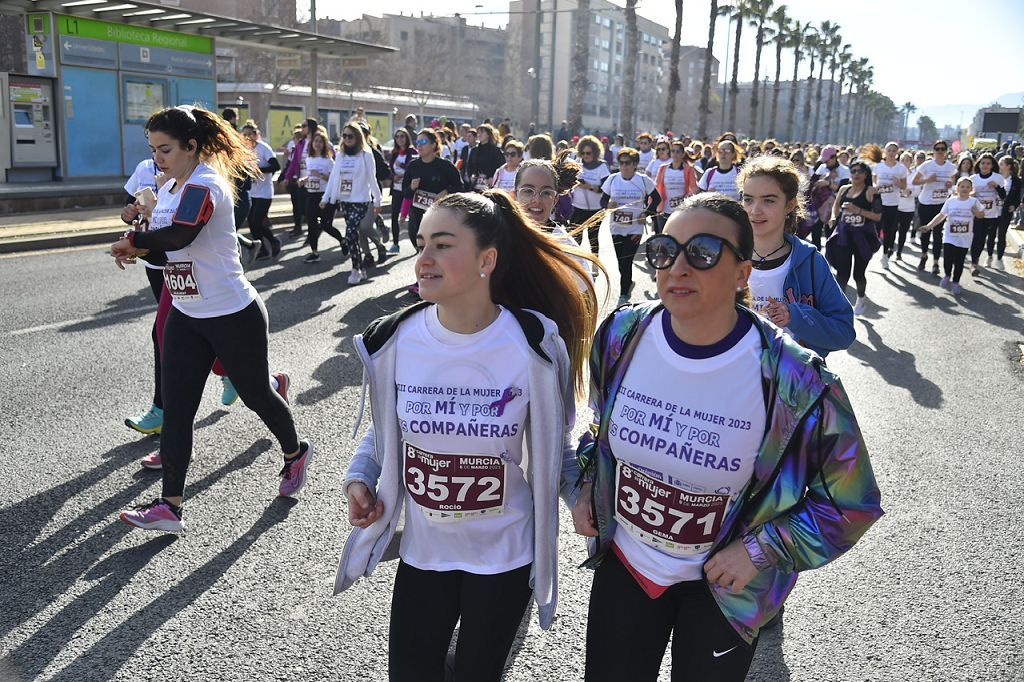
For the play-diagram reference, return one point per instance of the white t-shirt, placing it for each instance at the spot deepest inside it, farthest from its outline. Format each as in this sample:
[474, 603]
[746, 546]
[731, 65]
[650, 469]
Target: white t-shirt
[629, 196]
[645, 158]
[144, 175]
[467, 410]
[655, 165]
[693, 426]
[347, 164]
[958, 229]
[323, 165]
[398, 168]
[717, 180]
[909, 195]
[586, 199]
[988, 196]
[934, 193]
[213, 255]
[842, 172]
[505, 179]
[263, 189]
[885, 183]
[675, 188]
[768, 284]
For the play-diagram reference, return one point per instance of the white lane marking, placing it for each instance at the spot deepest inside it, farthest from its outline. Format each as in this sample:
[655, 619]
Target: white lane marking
[65, 323]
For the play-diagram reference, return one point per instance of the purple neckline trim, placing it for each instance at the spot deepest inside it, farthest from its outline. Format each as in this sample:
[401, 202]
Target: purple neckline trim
[694, 352]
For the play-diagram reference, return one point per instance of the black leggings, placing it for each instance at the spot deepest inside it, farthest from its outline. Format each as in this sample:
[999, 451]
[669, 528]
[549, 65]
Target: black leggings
[425, 607]
[192, 344]
[890, 221]
[845, 260]
[582, 215]
[156, 284]
[982, 228]
[258, 226]
[926, 212]
[953, 258]
[298, 196]
[320, 220]
[903, 223]
[625, 249]
[415, 218]
[396, 210]
[627, 631]
[998, 232]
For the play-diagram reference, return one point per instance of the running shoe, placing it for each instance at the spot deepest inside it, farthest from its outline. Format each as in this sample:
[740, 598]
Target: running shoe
[157, 515]
[998, 264]
[394, 248]
[923, 262]
[944, 282]
[149, 423]
[356, 276]
[955, 288]
[935, 268]
[975, 270]
[155, 462]
[885, 262]
[251, 252]
[368, 262]
[293, 474]
[858, 308]
[312, 258]
[229, 395]
[382, 253]
[283, 382]
[986, 261]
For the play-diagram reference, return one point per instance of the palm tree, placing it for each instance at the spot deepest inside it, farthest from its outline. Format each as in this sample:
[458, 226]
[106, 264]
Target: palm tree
[673, 67]
[863, 92]
[737, 12]
[837, 57]
[829, 41]
[812, 41]
[845, 59]
[795, 39]
[629, 71]
[759, 10]
[705, 88]
[908, 109]
[856, 73]
[778, 34]
[580, 62]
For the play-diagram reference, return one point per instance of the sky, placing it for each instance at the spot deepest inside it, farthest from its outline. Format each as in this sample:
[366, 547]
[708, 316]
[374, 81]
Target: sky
[908, 42]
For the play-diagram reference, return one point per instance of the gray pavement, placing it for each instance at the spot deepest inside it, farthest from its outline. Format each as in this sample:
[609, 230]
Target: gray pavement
[933, 591]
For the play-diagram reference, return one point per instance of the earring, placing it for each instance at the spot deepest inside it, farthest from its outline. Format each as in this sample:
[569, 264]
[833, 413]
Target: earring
[739, 288]
[483, 275]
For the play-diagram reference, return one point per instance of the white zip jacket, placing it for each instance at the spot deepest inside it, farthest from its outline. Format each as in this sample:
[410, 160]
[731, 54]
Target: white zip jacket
[549, 453]
[364, 181]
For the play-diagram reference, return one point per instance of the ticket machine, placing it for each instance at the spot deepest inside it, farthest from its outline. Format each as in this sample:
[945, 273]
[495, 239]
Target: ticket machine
[31, 128]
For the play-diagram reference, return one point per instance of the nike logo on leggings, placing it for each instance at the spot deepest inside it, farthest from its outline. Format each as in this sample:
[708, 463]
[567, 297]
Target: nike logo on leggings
[719, 654]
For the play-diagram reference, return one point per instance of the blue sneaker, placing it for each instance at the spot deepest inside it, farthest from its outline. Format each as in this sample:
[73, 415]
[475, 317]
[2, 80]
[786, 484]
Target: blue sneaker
[230, 395]
[149, 423]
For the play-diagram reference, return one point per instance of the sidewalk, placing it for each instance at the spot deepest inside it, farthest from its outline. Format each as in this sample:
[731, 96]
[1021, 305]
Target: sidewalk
[61, 229]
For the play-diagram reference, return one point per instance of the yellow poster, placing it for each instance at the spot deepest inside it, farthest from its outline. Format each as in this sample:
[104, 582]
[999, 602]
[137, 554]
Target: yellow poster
[380, 126]
[280, 122]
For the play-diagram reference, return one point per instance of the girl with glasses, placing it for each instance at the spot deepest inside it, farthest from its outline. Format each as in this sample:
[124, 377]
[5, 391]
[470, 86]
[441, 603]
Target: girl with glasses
[586, 194]
[855, 215]
[723, 460]
[935, 177]
[505, 177]
[495, 355]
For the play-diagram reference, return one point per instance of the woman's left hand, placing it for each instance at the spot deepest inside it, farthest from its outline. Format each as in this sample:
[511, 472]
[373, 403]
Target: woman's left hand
[123, 252]
[731, 568]
[778, 312]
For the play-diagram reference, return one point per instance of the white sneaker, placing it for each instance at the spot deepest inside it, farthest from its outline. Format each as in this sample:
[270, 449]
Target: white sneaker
[885, 262]
[986, 260]
[858, 308]
[999, 264]
[354, 277]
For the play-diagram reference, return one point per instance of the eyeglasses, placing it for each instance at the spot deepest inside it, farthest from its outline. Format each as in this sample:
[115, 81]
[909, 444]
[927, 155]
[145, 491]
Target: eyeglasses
[529, 194]
[348, 136]
[422, 141]
[939, 149]
[702, 251]
[627, 162]
[513, 154]
[859, 171]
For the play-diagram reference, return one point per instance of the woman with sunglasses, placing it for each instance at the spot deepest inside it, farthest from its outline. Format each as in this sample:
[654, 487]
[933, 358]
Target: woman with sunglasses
[721, 177]
[723, 460]
[493, 356]
[890, 178]
[401, 156]
[662, 157]
[935, 177]
[855, 215]
[675, 181]
[505, 177]
[586, 194]
[630, 197]
[791, 282]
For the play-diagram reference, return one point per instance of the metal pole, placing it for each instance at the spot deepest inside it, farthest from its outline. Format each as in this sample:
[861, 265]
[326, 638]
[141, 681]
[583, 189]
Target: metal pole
[314, 95]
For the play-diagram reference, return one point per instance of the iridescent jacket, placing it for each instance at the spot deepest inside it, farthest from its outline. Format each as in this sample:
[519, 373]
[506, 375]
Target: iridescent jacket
[812, 494]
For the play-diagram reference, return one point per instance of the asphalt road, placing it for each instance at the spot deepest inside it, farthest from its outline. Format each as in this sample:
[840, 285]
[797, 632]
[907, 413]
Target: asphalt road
[933, 592]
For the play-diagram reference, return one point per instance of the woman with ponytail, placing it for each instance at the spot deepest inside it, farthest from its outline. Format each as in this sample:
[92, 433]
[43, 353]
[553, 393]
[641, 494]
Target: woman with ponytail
[791, 282]
[215, 311]
[473, 394]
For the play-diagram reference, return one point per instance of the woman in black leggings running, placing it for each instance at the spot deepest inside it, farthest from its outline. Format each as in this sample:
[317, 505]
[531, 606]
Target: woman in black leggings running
[855, 215]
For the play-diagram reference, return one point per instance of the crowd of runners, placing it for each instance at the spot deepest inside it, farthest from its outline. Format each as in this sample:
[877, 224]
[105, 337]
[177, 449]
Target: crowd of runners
[723, 456]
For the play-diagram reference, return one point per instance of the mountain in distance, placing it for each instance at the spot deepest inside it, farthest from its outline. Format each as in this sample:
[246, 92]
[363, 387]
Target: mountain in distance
[963, 114]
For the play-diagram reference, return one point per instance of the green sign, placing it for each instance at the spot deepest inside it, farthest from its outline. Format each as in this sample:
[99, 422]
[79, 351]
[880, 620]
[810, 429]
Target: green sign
[138, 35]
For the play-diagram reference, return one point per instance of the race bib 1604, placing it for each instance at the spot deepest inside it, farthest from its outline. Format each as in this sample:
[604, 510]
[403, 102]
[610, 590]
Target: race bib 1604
[180, 279]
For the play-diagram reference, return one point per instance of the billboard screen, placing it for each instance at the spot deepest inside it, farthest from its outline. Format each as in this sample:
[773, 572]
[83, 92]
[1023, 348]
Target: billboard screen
[1001, 123]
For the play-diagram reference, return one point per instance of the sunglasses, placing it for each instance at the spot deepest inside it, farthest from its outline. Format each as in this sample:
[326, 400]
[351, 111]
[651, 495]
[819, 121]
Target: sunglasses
[939, 149]
[627, 162]
[529, 194]
[422, 141]
[513, 154]
[702, 251]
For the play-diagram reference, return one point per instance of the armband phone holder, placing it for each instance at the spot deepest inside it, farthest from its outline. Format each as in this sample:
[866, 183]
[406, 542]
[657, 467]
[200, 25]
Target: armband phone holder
[195, 208]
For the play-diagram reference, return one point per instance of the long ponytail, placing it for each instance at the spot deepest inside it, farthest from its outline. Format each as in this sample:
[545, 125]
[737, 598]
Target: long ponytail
[532, 270]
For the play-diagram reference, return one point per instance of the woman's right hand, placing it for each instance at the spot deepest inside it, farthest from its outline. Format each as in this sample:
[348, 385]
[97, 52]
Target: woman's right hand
[415, 184]
[129, 213]
[362, 509]
[583, 514]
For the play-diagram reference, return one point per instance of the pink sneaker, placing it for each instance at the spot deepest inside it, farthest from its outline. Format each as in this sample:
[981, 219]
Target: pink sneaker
[157, 515]
[283, 382]
[152, 461]
[293, 474]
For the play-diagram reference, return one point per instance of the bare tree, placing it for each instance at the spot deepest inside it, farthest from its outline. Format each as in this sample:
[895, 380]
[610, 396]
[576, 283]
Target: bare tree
[673, 69]
[759, 14]
[580, 62]
[705, 88]
[629, 71]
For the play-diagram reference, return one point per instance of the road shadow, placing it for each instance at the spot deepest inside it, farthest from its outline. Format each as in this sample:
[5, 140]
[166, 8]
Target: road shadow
[118, 645]
[40, 566]
[769, 664]
[138, 304]
[898, 367]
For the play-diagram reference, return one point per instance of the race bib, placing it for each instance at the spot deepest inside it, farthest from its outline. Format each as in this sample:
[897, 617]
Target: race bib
[885, 189]
[959, 228]
[454, 487]
[986, 204]
[346, 186]
[622, 217]
[940, 193]
[665, 517]
[481, 183]
[423, 199]
[676, 202]
[312, 184]
[853, 220]
[180, 280]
